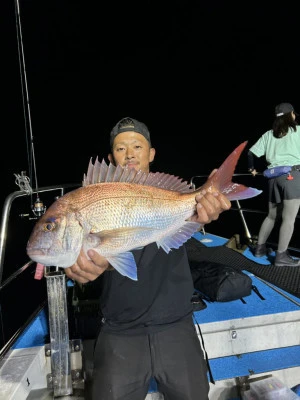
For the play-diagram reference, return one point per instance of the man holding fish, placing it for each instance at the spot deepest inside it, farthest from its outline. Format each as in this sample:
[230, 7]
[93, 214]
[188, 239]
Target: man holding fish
[136, 244]
[147, 329]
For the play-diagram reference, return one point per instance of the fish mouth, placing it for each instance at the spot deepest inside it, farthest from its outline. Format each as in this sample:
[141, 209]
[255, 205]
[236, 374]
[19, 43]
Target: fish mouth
[64, 260]
[35, 253]
[38, 256]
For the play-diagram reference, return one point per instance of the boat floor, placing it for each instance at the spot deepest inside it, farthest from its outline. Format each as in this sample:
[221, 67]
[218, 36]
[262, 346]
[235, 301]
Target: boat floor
[203, 247]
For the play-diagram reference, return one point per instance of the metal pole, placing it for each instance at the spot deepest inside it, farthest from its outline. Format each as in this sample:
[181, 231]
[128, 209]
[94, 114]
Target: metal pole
[59, 334]
[247, 232]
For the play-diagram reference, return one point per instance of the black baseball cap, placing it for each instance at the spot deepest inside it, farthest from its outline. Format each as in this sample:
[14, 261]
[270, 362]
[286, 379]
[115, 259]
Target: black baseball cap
[129, 124]
[284, 108]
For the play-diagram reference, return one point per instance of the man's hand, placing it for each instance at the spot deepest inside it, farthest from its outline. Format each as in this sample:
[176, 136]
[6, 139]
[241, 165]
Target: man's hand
[86, 270]
[210, 205]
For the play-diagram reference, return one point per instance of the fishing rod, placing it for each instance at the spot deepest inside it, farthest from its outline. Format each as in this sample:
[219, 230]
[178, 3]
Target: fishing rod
[22, 180]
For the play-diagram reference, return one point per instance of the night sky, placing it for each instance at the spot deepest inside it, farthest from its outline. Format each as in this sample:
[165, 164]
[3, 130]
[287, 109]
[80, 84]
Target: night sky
[204, 77]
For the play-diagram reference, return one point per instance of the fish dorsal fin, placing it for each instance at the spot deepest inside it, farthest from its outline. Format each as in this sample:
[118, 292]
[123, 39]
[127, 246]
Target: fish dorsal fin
[101, 172]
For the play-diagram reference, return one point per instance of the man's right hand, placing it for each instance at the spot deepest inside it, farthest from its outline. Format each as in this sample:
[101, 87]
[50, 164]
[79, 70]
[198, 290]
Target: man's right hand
[85, 269]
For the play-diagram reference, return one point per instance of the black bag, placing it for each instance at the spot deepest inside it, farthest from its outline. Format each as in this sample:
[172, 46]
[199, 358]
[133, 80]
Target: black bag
[219, 282]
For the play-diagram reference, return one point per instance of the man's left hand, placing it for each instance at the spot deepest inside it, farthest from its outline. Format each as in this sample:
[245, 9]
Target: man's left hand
[209, 207]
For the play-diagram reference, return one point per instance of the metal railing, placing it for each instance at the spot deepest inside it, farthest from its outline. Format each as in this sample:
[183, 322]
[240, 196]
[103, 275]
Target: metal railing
[6, 214]
[244, 210]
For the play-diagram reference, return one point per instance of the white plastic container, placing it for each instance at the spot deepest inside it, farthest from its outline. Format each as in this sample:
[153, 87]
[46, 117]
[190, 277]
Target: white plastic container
[271, 389]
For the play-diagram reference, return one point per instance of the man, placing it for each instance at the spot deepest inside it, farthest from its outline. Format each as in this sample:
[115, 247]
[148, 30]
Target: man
[147, 330]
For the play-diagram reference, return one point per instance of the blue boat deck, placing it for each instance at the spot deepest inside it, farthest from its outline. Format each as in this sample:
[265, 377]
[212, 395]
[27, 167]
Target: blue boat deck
[255, 336]
[246, 338]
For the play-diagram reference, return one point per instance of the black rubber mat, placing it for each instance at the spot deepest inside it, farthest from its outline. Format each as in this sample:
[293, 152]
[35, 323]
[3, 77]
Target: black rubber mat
[285, 278]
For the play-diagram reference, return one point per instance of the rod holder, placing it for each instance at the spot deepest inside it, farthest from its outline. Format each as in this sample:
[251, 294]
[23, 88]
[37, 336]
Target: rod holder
[59, 333]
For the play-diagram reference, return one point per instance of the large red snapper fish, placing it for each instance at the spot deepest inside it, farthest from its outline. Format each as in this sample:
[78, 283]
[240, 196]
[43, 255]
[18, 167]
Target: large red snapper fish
[120, 209]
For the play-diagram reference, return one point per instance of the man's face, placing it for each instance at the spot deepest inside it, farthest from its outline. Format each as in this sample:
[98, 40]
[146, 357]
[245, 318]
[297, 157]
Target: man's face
[132, 149]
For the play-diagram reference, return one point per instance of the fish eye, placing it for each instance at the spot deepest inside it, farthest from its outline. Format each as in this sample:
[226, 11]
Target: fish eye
[48, 227]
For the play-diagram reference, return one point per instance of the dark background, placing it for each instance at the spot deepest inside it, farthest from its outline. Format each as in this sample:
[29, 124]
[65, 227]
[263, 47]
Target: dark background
[204, 77]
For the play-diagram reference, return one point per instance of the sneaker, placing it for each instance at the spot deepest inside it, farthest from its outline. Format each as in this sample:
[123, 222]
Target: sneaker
[261, 250]
[283, 259]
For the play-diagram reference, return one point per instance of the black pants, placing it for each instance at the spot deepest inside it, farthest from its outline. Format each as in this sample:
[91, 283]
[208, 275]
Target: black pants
[124, 365]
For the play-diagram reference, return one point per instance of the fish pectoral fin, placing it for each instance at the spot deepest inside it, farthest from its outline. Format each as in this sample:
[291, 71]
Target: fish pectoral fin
[125, 264]
[179, 237]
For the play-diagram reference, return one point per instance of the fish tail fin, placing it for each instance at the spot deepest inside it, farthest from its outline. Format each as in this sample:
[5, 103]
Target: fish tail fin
[222, 178]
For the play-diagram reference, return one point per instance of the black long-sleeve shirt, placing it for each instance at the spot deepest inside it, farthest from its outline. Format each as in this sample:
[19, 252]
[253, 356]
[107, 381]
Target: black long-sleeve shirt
[161, 295]
[251, 159]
